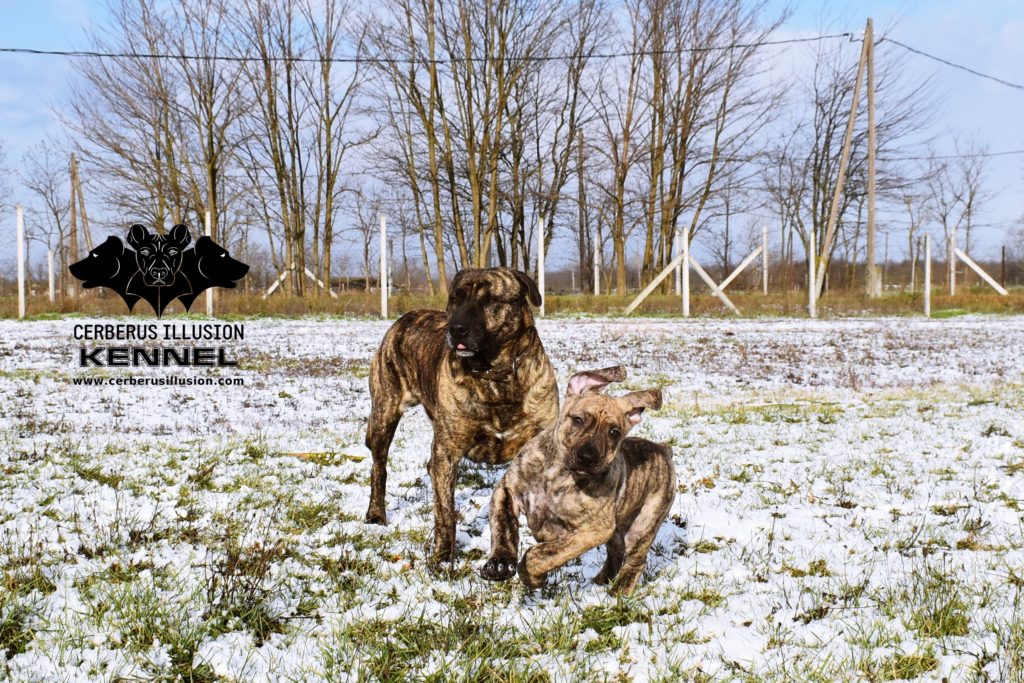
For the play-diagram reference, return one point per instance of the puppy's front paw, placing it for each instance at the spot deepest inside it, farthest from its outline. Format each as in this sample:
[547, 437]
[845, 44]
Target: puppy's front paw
[532, 581]
[499, 568]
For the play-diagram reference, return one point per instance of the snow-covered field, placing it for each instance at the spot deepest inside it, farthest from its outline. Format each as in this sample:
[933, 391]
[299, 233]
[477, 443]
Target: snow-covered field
[849, 507]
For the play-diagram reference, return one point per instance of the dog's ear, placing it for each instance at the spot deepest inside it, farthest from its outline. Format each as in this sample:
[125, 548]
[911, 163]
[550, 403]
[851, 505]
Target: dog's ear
[634, 403]
[113, 244]
[180, 235]
[530, 290]
[137, 235]
[594, 380]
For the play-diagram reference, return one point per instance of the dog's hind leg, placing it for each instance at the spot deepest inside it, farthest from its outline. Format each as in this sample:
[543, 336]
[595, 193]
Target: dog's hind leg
[385, 413]
[638, 542]
[616, 549]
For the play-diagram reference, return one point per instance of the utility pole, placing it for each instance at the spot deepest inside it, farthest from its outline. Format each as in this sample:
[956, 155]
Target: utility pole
[77, 195]
[844, 158]
[874, 284]
[72, 232]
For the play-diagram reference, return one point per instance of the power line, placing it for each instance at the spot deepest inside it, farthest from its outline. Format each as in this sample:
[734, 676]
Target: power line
[1005, 153]
[953, 64]
[91, 54]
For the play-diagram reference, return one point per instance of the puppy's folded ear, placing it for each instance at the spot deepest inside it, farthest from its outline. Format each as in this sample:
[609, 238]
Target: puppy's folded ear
[594, 380]
[634, 403]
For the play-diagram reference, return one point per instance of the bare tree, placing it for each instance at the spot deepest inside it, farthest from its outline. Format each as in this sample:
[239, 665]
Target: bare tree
[44, 173]
[957, 194]
[367, 207]
[806, 166]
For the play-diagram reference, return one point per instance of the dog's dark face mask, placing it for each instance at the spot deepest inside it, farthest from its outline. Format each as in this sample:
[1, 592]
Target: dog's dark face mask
[487, 309]
[591, 425]
[591, 429]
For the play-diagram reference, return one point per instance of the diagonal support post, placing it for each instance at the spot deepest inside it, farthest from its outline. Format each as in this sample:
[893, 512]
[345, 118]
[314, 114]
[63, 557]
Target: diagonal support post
[739, 269]
[715, 289]
[977, 269]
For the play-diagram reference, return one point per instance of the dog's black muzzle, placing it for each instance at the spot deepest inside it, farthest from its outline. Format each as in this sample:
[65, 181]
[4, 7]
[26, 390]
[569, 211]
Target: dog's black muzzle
[466, 331]
[589, 457]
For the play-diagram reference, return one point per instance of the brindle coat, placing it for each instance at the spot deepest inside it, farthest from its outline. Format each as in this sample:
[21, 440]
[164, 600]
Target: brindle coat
[582, 483]
[480, 372]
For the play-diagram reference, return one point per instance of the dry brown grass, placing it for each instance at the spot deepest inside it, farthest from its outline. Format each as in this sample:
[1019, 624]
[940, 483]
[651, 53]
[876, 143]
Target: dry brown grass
[752, 304]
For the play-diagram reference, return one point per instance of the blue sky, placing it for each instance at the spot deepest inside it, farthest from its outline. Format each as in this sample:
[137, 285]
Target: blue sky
[987, 35]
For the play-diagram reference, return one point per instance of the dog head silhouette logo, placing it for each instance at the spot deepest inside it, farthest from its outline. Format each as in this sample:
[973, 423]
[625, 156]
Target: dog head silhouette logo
[160, 269]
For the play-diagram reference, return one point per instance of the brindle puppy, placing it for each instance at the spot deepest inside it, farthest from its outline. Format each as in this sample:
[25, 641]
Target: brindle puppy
[482, 376]
[582, 483]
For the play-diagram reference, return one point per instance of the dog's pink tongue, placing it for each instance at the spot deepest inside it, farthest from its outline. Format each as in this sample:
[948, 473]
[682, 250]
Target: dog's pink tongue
[461, 347]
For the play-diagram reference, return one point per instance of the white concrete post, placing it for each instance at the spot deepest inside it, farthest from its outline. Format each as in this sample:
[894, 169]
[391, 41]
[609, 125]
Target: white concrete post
[540, 263]
[678, 280]
[391, 267]
[21, 261]
[812, 282]
[952, 262]
[927, 276]
[209, 292]
[597, 267]
[383, 283]
[49, 267]
[764, 260]
[684, 274]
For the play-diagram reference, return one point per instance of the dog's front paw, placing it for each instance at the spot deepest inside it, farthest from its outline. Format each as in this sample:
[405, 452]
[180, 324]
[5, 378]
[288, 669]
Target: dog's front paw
[499, 568]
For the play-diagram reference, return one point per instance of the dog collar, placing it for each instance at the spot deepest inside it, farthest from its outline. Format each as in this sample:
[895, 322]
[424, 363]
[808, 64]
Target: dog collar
[506, 375]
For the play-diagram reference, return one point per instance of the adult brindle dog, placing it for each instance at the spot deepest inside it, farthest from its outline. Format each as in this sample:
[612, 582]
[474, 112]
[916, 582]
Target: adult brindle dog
[480, 372]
